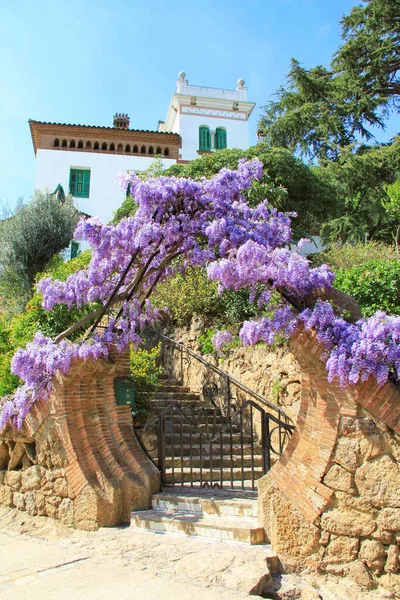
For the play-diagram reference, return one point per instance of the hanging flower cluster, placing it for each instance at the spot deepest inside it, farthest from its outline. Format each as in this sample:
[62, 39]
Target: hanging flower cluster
[206, 223]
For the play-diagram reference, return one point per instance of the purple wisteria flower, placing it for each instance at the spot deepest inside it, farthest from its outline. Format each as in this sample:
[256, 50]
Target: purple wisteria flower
[205, 223]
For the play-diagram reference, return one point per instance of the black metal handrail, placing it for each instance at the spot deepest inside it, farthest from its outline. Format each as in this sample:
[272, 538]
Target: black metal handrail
[229, 379]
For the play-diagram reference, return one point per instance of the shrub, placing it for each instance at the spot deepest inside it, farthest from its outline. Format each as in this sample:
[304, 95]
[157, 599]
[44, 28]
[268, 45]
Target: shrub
[144, 370]
[375, 285]
[188, 294]
[353, 255]
[22, 327]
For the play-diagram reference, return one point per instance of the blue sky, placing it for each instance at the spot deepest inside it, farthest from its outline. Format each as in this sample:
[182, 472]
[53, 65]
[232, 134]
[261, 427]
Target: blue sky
[80, 61]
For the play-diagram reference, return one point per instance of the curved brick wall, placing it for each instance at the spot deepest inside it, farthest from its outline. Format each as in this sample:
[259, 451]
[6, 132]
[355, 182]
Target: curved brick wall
[333, 499]
[77, 458]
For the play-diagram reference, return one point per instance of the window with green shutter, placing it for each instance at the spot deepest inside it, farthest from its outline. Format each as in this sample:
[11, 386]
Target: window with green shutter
[220, 138]
[204, 139]
[74, 249]
[79, 183]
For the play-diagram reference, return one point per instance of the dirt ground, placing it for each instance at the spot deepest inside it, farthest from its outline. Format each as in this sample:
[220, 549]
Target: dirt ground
[41, 558]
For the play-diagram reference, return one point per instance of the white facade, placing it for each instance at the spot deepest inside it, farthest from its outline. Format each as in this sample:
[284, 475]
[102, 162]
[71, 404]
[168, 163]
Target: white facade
[109, 150]
[53, 167]
[194, 106]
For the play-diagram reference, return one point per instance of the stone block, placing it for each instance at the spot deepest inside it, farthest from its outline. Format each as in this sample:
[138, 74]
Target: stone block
[378, 482]
[373, 554]
[19, 500]
[13, 479]
[341, 549]
[348, 522]
[6, 496]
[31, 479]
[391, 581]
[40, 503]
[4, 455]
[61, 487]
[372, 446]
[389, 519]
[51, 511]
[359, 572]
[66, 512]
[338, 478]
[347, 453]
[30, 503]
[392, 562]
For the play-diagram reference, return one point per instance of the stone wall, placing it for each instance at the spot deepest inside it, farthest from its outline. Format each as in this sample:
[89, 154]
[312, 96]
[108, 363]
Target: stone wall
[333, 500]
[77, 458]
[273, 373]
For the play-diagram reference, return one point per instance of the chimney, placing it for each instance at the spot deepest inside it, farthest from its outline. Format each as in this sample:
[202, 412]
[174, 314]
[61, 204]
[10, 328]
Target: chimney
[121, 121]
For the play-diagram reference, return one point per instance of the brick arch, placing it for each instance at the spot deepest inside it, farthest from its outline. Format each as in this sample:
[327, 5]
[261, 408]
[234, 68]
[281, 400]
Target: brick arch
[300, 472]
[104, 468]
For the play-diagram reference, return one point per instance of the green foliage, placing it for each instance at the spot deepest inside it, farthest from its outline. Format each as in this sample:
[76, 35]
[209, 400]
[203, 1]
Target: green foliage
[289, 184]
[21, 328]
[206, 345]
[144, 370]
[8, 381]
[370, 53]
[348, 255]
[188, 294]
[359, 182]
[34, 318]
[236, 307]
[320, 111]
[392, 206]
[374, 284]
[29, 238]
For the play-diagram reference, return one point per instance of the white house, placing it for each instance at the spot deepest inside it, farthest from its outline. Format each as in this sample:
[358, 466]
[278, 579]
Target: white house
[208, 119]
[85, 159]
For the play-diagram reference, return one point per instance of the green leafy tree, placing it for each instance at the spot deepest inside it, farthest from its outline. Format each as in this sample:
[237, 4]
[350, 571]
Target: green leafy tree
[21, 328]
[289, 184]
[359, 182]
[320, 111]
[374, 284]
[371, 50]
[392, 206]
[29, 238]
[316, 114]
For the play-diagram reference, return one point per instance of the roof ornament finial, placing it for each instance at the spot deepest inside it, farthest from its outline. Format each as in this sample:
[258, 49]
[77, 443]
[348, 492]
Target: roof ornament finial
[182, 75]
[240, 83]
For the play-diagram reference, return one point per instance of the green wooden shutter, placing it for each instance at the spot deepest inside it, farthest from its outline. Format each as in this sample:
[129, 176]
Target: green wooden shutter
[204, 139]
[86, 184]
[220, 138]
[79, 183]
[72, 181]
[74, 249]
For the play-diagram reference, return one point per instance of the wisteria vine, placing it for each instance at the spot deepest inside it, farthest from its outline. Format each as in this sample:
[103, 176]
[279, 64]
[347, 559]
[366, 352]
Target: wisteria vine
[205, 223]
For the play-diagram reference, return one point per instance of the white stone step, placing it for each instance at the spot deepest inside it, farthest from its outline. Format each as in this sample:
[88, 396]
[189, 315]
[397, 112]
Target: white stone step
[206, 503]
[222, 529]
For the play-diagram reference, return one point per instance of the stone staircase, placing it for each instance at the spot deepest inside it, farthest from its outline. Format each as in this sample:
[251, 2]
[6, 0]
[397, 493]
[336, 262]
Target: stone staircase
[223, 516]
[189, 459]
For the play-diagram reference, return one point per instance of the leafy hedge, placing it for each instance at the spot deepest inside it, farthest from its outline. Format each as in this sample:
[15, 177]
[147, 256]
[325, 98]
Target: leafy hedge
[21, 329]
[374, 284]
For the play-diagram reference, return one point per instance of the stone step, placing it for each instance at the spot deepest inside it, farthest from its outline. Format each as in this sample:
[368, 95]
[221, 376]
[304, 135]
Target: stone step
[167, 387]
[211, 503]
[227, 461]
[196, 475]
[169, 397]
[194, 438]
[211, 526]
[226, 450]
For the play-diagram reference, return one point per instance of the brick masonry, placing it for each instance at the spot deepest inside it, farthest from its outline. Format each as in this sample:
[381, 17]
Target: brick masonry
[77, 458]
[333, 499]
